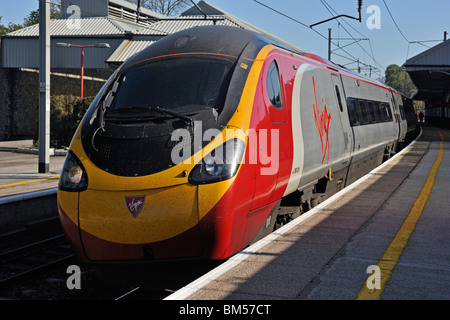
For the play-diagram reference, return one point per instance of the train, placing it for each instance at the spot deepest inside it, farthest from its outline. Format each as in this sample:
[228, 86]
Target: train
[211, 138]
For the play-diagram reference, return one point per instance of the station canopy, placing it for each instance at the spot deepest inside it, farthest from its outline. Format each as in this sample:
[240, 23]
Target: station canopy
[430, 72]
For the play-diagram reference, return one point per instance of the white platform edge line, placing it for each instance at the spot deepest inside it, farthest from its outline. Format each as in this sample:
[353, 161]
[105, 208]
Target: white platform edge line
[28, 196]
[235, 260]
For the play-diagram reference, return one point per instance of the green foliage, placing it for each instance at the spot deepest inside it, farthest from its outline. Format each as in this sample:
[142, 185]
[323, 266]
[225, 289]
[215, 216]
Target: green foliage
[31, 19]
[9, 28]
[399, 79]
[66, 112]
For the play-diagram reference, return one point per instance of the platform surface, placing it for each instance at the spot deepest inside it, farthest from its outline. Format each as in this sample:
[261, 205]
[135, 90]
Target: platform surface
[19, 164]
[333, 251]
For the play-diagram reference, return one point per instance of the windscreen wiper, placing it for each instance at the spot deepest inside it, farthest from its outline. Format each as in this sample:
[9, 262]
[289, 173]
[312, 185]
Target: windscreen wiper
[188, 120]
[160, 110]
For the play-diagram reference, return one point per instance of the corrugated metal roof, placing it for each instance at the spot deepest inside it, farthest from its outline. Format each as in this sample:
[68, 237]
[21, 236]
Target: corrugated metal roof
[166, 27]
[438, 55]
[429, 71]
[100, 26]
[206, 9]
[127, 49]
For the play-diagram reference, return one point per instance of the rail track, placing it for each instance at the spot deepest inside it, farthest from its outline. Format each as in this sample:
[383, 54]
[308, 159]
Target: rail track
[20, 264]
[34, 263]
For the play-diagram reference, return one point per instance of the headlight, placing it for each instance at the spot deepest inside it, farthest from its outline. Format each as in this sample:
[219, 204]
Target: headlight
[73, 176]
[220, 164]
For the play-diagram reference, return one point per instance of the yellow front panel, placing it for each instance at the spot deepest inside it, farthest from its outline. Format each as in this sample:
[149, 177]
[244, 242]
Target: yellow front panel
[69, 204]
[166, 213]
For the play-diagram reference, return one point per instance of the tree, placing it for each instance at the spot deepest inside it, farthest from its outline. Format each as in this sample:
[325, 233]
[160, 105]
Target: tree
[399, 79]
[9, 28]
[31, 19]
[165, 7]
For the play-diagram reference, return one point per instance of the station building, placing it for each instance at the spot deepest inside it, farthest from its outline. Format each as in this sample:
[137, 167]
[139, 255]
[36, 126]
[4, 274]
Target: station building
[119, 23]
[430, 72]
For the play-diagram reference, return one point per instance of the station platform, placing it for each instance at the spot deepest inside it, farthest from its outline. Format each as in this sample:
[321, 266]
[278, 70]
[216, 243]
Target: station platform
[385, 237]
[26, 196]
[19, 168]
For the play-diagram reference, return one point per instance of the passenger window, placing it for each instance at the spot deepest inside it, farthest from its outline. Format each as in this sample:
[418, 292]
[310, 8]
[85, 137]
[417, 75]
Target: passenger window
[363, 111]
[274, 86]
[386, 111]
[354, 119]
[381, 112]
[372, 111]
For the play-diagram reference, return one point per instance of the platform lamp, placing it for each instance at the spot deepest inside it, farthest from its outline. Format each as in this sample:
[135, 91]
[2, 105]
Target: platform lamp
[69, 45]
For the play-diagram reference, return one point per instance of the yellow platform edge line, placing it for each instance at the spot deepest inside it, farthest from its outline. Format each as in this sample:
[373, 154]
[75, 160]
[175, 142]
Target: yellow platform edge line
[391, 256]
[29, 181]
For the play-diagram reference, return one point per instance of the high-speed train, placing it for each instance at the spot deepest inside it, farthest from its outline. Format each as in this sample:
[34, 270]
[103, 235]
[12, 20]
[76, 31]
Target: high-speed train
[194, 146]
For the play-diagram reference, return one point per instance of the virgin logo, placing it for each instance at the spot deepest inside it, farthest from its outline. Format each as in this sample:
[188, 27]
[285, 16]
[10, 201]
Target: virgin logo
[322, 120]
[135, 205]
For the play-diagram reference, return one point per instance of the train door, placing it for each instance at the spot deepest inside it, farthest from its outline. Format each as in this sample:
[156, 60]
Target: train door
[270, 139]
[343, 116]
[400, 115]
[396, 117]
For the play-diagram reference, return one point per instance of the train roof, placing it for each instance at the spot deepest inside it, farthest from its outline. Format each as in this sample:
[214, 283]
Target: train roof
[229, 41]
[224, 40]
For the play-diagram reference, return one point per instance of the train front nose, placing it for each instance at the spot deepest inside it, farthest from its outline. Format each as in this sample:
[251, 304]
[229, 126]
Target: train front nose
[159, 223]
[111, 218]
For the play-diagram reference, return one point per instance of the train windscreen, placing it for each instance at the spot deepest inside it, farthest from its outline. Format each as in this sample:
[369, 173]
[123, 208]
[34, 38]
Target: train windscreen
[182, 85]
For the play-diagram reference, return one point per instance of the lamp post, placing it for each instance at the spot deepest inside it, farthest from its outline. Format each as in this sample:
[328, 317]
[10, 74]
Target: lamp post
[69, 45]
[44, 87]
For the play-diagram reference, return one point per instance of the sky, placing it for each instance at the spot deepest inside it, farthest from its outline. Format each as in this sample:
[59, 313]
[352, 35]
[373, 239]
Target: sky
[418, 20]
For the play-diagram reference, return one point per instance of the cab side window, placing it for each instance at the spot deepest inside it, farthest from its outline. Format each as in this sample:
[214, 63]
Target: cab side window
[274, 86]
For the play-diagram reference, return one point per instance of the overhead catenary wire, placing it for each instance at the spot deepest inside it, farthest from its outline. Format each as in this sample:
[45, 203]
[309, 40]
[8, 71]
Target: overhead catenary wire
[399, 30]
[421, 42]
[361, 34]
[305, 25]
[392, 17]
[371, 55]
